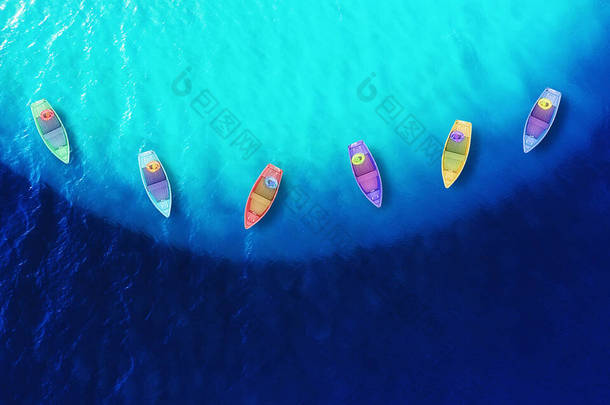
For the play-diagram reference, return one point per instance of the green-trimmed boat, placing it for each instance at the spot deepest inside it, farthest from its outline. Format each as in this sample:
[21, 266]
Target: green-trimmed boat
[51, 130]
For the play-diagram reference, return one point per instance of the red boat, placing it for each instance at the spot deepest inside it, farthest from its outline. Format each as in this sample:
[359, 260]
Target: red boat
[262, 195]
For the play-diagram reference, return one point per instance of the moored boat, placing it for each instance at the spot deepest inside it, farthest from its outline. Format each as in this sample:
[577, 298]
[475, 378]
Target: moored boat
[51, 130]
[366, 172]
[455, 152]
[155, 181]
[262, 195]
[540, 118]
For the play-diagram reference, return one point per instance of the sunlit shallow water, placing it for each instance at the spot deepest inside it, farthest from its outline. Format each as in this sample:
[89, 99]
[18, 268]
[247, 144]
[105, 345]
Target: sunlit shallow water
[301, 83]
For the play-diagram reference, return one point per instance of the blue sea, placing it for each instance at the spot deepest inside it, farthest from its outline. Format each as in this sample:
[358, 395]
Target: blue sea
[494, 291]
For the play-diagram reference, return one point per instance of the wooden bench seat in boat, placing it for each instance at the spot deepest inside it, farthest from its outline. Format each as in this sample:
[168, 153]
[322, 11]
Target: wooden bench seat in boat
[453, 161]
[153, 177]
[264, 191]
[258, 203]
[365, 167]
[543, 115]
[48, 125]
[56, 138]
[536, 127]
[159, 190]
[369, 181]
[457, 147]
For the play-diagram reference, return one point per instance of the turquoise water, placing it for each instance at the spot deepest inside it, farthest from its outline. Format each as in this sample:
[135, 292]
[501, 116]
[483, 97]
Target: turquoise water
[290, 74]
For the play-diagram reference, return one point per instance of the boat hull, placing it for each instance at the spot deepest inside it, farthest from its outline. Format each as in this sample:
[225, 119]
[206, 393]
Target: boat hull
[366, 172]
[262, 195]
[155, 182]
[541, 118]
[455, 151]
[51, 130]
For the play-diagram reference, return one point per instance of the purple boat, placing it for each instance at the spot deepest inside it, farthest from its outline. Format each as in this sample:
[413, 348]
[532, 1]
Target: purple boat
[540, 119]
[366, 172]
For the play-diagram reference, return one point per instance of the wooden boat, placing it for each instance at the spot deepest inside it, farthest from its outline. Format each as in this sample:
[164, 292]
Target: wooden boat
[366, 172]
[456, 151]
[155, 181]
[262, 195]
[540, 119]
[51, 130]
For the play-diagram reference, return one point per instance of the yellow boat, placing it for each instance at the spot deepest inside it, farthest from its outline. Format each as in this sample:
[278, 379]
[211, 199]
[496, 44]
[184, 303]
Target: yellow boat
[456, 151]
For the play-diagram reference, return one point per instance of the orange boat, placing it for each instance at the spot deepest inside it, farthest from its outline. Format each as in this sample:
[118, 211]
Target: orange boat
[262, 195]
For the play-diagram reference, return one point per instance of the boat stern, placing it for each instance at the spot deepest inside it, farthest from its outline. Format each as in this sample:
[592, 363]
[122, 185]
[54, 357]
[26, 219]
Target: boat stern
[63, 155]
[449, 179]
[529, 143]
[250, 220]
[375, 198]
[165, 207]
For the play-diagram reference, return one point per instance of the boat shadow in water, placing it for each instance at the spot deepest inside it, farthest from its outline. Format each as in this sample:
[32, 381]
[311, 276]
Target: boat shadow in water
[556, 129]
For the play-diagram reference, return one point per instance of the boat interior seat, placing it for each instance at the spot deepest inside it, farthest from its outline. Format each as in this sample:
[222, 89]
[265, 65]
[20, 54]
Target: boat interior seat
[153, 178]
[258, 204]
[543, 115]
[264, 191]
[49, 125]
[369, 181]
[56, 138]
[454, 156]
[452, 165]
[452, 161]
[535, 127]
[159, 190]
[364, 168]
[457, 147]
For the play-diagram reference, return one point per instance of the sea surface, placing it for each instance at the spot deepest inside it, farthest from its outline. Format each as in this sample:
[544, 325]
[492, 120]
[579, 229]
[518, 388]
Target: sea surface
[494, 291]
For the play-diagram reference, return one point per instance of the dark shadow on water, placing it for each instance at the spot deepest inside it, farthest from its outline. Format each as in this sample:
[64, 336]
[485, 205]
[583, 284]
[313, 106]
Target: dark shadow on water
[448, 294]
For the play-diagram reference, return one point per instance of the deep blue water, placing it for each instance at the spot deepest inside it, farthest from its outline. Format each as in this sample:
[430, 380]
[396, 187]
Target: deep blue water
[502, 307]
[492, 292]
